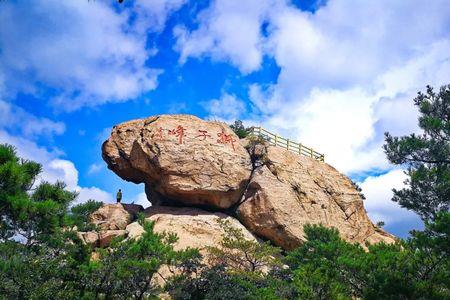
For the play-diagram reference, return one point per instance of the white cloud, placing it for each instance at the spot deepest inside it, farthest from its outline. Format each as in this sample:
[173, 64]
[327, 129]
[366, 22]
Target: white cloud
[16, 118]
[346, 43]
[378, 203]
[228, 30]
[95, 168]
[65, 170]
[141, 199]
[228, 108]
[85, 51]
[152, 15]
[94, 193]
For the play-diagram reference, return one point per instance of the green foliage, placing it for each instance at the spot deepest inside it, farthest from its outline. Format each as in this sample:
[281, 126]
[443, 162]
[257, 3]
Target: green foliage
[45, 271]
[316, 264]
[216, 282]
[326, 267]
[239, 128]
[237, 268]
[28, 214]
[380, 224]
[426, 156]
[359, 189]
[127, 268]
[241, 255]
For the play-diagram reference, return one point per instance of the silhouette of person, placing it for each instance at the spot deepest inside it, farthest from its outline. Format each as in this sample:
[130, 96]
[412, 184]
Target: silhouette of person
[119, 196]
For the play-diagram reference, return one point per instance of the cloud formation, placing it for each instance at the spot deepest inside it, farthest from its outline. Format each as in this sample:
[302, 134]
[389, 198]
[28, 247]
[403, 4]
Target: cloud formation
[228, 30]
[228, 108]
[85, 51]
[15, 118]
[378, 191]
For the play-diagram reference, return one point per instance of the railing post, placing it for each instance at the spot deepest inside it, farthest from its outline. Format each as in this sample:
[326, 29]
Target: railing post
[311, 151]
[276, 139]
[288, 144]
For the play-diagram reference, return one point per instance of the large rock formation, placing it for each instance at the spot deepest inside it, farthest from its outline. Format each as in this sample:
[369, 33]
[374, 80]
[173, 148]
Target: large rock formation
[181, 159]
[287, 191]
[185, 161]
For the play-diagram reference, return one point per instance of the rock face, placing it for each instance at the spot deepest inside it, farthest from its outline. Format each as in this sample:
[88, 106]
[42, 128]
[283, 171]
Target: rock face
[112, 221]
[195, 228]
[187, 163]
[181, 159]
[111, 217]
[288, 191]
[89, 238]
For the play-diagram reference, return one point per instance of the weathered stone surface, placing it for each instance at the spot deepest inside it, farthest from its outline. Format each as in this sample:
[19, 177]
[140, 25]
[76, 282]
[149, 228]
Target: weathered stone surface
[288, 191]
[105, 237]
[90, 238]
[195, 228]
[181, 159]
[111, 217]
[134, 230]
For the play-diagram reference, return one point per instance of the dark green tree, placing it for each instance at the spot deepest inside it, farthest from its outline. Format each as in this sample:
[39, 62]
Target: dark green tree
[29, 213]
[327, 267]
[238, 268]
[239, 128]
[317, 265]
[426, 156]
[240, 255]
[128, 268]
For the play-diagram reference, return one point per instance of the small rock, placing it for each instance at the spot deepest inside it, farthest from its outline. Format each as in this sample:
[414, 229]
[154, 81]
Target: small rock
[105, 237]
[111, 217]
[134, 230]
[90, 238]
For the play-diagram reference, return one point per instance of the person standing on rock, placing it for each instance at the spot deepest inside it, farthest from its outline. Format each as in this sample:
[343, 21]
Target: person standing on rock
[119, 196]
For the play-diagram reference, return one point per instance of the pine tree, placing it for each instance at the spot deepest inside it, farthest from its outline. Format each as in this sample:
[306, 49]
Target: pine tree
[426, 156]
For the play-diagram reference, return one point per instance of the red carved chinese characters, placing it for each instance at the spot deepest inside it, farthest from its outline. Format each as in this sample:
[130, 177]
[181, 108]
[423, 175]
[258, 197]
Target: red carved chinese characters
[158, 134]
[203, 134]
[179, 132]
[226, 139]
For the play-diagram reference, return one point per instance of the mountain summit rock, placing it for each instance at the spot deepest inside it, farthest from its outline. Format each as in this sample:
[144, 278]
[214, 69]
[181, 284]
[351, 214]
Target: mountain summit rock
[188, 162]
[181, 159]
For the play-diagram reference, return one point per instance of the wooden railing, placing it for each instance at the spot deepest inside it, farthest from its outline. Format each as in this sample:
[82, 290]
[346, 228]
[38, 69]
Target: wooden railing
[276, 140]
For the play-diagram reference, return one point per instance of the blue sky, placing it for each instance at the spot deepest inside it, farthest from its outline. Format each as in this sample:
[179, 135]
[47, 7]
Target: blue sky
[334, 75]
